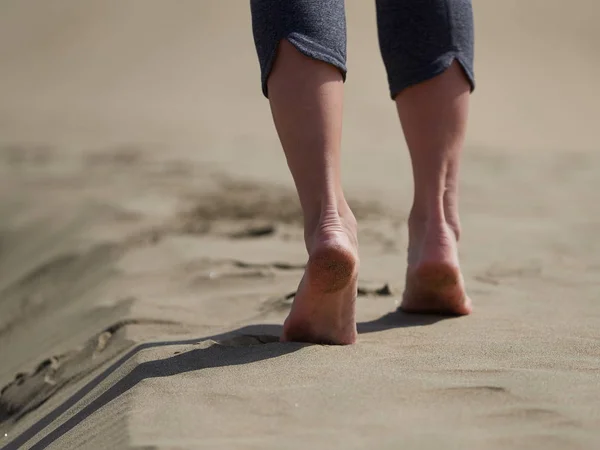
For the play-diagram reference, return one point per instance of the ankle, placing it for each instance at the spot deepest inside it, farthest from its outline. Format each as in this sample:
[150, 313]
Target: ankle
[330, 217]
[420, 221]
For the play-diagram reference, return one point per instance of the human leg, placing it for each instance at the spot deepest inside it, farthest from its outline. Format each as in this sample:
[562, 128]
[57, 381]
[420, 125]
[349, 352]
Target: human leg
[301, 45]
[427, 48]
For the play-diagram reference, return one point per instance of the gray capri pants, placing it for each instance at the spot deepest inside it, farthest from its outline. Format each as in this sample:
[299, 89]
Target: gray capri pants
[418, 39]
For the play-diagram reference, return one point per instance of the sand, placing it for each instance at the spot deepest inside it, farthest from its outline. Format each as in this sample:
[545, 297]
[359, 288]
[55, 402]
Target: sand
[150, 242]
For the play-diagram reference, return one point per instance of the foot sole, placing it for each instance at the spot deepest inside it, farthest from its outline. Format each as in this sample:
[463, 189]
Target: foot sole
[435, 288]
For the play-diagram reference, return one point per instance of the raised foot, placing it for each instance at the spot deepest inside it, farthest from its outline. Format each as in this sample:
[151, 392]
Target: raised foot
[435, 288]
[323, 311]
[434, 283]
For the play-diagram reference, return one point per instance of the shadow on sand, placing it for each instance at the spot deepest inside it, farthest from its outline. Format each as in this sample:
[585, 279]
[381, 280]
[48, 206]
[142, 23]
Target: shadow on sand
[242, 346]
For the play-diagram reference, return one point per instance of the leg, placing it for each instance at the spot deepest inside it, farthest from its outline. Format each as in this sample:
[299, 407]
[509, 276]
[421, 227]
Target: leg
[304, 84]
[429, 65]
[434, 116]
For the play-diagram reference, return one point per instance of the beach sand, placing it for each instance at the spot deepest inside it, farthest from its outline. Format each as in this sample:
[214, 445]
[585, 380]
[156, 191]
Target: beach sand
[150, 240]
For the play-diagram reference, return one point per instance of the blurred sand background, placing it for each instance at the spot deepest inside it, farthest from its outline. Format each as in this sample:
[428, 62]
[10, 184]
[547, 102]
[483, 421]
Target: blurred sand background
[149, 240]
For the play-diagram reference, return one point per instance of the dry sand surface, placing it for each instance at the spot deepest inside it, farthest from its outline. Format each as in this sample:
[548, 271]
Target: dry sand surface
[150, 241]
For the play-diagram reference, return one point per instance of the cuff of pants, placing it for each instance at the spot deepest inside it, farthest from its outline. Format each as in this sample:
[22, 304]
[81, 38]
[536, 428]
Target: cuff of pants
[401, 80]
[309, 48]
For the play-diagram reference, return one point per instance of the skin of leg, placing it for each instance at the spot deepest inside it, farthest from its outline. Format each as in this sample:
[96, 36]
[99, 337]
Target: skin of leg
[306, 99]
[434, 116]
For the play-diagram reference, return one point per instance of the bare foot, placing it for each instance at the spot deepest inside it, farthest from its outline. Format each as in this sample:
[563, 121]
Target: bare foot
[434, 283]
[323, 311]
